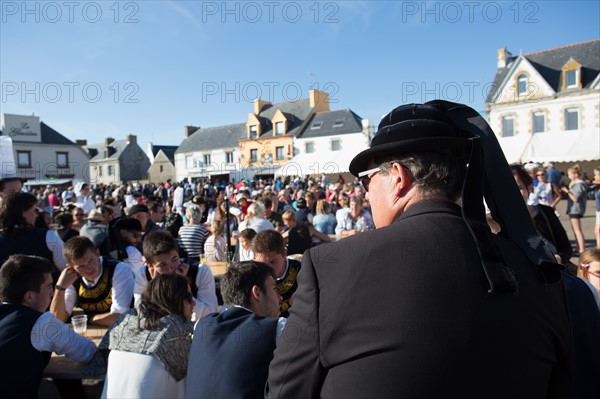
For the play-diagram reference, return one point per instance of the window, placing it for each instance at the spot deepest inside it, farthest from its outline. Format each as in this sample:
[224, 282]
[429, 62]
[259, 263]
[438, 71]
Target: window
[253, 131]
[539, 122]
[99, 169]
[206, 159]
[309, 148]
[571, 119]
[338, 123]
[571, 78]
[267, 158]
[62, 159]
[316, 125]
[189, 164]
[229, 157]
[522, 85]
[109, 170]
[279, 153]
[508, 126]
[336, 145]
[24, 159]
[279, 128]
[253, 155]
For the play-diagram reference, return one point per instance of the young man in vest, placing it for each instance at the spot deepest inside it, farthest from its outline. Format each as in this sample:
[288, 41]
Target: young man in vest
[161, 256]
[269, 247]
[231, 350]
[29, 334]
[102, 287]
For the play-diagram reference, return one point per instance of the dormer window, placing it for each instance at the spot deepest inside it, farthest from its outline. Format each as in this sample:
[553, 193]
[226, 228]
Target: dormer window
[253, 131]
[571, 78]
[522, 85]
[279, 128]
[316, 125]
[338, 123]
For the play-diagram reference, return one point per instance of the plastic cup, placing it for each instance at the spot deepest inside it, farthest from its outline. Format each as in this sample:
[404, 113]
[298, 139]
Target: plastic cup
[80, 324]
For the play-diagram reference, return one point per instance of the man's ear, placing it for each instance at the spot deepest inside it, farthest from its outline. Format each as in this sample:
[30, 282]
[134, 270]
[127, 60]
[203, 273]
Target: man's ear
[255, 293]
[401, 179]
[27, 298]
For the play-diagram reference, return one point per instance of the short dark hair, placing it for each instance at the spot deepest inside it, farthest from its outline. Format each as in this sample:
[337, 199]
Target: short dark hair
[12, 208]
[173, 223]
[128, 224]
[64, 219]
[237, 283]
[158, 243]
[77, 247]
[22, 273]
[164, 295]
[9, 180]
[248, 234]
[268, 241]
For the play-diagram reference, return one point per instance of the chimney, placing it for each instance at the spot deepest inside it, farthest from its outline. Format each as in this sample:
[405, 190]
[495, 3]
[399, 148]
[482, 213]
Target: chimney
[108, 140]
[259, 105]
[81, 142]
[503, 56]
[189, 130]
[132, 139]
[319, 100]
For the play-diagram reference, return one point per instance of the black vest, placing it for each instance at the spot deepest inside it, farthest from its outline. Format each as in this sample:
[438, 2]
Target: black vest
[27, 242]
[21, 365]
[299, 240]
[98, 298]
[230, 355]
[288, 285]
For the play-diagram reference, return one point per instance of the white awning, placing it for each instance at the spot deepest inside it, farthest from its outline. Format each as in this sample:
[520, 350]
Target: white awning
[514, 147]
[335, 162]
[48, 182]
[564, 146]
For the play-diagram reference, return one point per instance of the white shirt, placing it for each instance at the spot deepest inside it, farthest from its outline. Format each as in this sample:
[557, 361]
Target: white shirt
[178, 198]
[134, 258]
[55, 245]
[87, 204]
[52, 335]
[257, 224]
[122, 289]
[206, 299]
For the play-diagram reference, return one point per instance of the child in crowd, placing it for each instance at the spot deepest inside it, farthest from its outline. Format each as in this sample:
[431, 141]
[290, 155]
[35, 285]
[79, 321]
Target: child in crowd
[246, 237]
[589, 267]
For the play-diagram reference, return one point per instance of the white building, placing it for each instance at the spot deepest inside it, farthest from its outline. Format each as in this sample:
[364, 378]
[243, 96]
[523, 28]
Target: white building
[42, 155]
[544, 106]
[212, 152]
[327, 144]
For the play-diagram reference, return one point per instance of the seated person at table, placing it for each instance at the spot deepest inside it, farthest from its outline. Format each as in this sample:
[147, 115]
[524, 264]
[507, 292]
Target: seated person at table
[149, 346]
[269, 248]
[128, 234]
[162, 257]
[221, 365]
[102, 287]
[300, 237]
[28, 334]
[245, 238]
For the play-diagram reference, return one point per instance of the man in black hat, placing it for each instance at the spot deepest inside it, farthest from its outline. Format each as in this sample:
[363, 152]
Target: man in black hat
[430, 304]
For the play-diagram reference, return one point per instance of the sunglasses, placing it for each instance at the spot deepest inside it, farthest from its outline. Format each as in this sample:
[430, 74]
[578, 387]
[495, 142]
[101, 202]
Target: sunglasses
[366, 176]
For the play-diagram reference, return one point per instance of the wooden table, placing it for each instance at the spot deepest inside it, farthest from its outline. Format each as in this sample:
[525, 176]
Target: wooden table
[61, 367]
[218, 269]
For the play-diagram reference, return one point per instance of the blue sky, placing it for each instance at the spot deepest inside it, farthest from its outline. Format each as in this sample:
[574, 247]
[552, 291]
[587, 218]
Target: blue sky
[97, 69]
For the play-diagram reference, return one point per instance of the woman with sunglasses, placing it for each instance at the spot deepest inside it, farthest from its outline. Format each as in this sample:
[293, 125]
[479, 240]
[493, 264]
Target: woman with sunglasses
[150, 345]
[546, 192]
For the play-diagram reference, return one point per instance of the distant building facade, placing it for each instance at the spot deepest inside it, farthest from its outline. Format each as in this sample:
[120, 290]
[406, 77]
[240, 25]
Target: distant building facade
[116, 161]
[42, 154]
[544, 106]
[162, 162]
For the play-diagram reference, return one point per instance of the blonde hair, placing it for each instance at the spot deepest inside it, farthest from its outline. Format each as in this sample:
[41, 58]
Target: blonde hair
[217, 228]
[588, 256]
[289, 215]
[323, 206]
[576, 169]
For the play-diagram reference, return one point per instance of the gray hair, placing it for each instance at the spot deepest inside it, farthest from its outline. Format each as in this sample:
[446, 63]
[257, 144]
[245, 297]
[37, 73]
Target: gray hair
[194, 214]
[435, 174]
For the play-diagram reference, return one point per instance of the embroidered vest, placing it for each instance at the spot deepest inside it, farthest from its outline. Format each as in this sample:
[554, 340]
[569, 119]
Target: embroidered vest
[98, 298]
[288, 285]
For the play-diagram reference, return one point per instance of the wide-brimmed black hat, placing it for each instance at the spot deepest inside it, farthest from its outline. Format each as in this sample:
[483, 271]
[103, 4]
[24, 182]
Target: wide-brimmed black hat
[414, 128]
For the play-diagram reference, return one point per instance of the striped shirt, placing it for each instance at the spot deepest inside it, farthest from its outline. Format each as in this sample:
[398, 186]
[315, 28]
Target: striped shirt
[192, 238]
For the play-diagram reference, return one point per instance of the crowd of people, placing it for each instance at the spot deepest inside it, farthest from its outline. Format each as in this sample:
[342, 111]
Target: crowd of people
[135, 259]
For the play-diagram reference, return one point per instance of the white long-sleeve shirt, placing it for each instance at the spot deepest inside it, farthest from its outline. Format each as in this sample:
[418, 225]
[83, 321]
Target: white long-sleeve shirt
[52, 335]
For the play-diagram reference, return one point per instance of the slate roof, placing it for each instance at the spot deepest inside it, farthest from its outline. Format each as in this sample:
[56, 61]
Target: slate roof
[210, 138]
[49, 136]
[352, 124]
[550, 62]
[169, 151]
[96, 151]
[296, 113]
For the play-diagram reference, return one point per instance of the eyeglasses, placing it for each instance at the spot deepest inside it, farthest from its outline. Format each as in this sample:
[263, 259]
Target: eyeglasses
[540, 174]
[366, 176]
